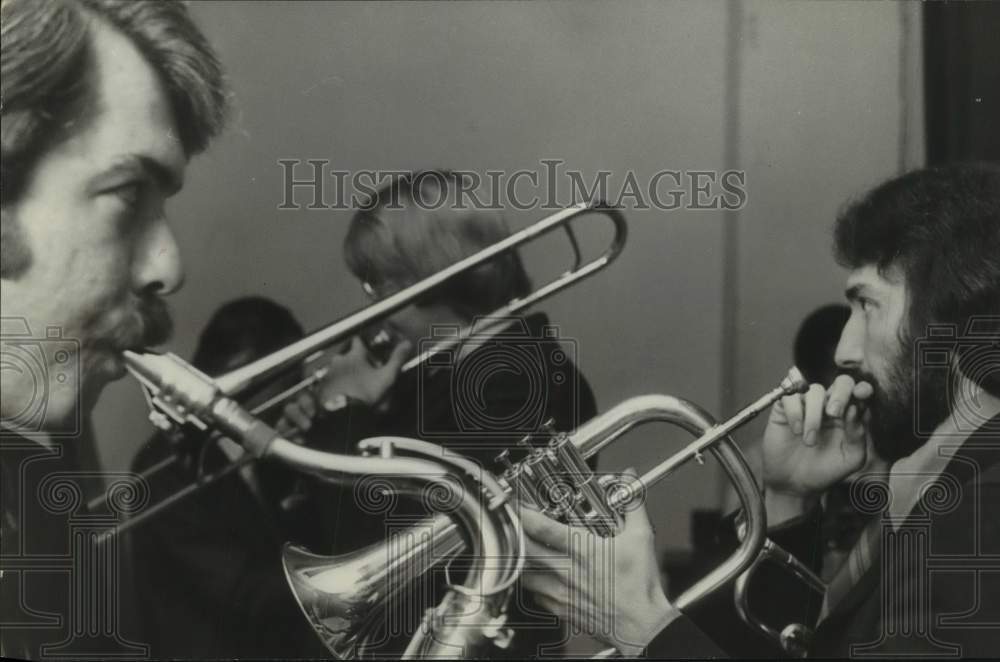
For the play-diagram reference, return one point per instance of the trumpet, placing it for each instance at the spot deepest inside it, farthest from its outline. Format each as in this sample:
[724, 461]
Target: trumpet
[342, 595]
[471, 616]
[308, 352]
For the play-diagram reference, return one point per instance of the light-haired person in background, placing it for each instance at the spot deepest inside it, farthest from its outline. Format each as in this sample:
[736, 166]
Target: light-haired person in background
[479, 399]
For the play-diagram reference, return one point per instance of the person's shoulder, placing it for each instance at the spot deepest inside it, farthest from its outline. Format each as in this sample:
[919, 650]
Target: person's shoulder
[963, 496]
[977, 460]
[563, 372]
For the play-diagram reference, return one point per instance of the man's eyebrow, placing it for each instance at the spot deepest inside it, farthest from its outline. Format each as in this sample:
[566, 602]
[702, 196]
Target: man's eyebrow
[166, 177]
[853, 293]
[859, 290]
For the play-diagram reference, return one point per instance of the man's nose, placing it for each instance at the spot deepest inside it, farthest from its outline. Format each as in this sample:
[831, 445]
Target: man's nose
[157, 268]
[850, 349]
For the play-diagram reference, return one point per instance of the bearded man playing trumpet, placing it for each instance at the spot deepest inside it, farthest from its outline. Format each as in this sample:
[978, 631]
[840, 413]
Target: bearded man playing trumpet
[918, 360]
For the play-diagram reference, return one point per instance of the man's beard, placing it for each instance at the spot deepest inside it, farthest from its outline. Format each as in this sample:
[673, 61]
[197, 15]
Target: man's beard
[899, 408]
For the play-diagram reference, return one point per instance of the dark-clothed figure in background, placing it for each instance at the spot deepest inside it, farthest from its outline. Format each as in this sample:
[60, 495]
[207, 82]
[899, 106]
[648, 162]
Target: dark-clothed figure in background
[479, 398]
[815, 349]
[816, 343]
[104, 103]
[208, 570]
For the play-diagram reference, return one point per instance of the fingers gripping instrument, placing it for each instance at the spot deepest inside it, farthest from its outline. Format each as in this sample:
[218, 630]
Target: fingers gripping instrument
[557, 479]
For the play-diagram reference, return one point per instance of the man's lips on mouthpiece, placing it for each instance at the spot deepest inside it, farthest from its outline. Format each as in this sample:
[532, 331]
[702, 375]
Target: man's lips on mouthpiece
[111, 359]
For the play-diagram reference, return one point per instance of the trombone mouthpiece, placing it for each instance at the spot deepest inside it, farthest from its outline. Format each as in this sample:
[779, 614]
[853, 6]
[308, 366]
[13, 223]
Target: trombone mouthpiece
[794, 382]
[167, 372]
[143, 365]
[173, 387]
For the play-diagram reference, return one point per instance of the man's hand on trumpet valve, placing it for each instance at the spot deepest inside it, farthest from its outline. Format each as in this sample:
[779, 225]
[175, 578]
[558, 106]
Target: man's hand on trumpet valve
[607, 587]
[350, 374]
[812, 441]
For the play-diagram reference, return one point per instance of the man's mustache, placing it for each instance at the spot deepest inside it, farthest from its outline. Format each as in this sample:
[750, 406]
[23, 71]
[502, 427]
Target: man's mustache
[148, 325]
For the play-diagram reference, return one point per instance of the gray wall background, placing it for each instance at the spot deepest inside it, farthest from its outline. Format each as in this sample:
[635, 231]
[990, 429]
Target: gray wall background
[816, 101]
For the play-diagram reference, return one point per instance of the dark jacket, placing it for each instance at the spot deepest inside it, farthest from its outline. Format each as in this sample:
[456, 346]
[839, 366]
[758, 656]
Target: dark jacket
[933, 591]
[34, 592]
[208, 574]
[60, 578]
[505, 388]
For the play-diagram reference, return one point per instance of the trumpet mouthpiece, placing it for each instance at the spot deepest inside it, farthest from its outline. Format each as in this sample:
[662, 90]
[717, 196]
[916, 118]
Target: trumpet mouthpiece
[794, 382]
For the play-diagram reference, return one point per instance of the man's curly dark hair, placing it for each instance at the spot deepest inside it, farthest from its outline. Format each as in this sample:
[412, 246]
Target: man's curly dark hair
[940, 227]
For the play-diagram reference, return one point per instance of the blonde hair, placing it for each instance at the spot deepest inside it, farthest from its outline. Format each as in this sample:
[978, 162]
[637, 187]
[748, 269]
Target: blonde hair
[421, 223]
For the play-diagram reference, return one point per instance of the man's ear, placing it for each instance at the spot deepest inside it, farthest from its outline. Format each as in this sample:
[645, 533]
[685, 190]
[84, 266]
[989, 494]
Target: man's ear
[15, 255]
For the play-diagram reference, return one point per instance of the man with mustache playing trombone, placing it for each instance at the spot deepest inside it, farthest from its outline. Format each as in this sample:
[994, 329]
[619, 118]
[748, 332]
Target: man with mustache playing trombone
[104, 103]
[919, 359]
[87, 256]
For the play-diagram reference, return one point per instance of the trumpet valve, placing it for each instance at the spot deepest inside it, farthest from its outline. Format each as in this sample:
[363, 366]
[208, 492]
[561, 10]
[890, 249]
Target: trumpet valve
[522, 486]
[525, 442]
[504, 459]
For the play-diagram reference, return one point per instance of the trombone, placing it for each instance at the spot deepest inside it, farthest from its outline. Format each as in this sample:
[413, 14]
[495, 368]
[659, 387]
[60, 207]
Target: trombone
[309, 350]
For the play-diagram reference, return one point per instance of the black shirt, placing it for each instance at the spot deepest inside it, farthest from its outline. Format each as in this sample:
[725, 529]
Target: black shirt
[60, 576]
[208, 573]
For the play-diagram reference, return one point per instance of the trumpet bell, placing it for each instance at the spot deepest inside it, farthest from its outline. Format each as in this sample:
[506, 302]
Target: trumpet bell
[344, 597]
[338, 595]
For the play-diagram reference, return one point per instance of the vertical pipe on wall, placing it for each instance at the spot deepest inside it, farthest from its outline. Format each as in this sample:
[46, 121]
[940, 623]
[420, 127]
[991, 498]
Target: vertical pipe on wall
[730, 223]
[911, 88]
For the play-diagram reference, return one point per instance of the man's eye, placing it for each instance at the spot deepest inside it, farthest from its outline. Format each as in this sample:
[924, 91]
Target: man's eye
[130, 194]
[867, 305]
